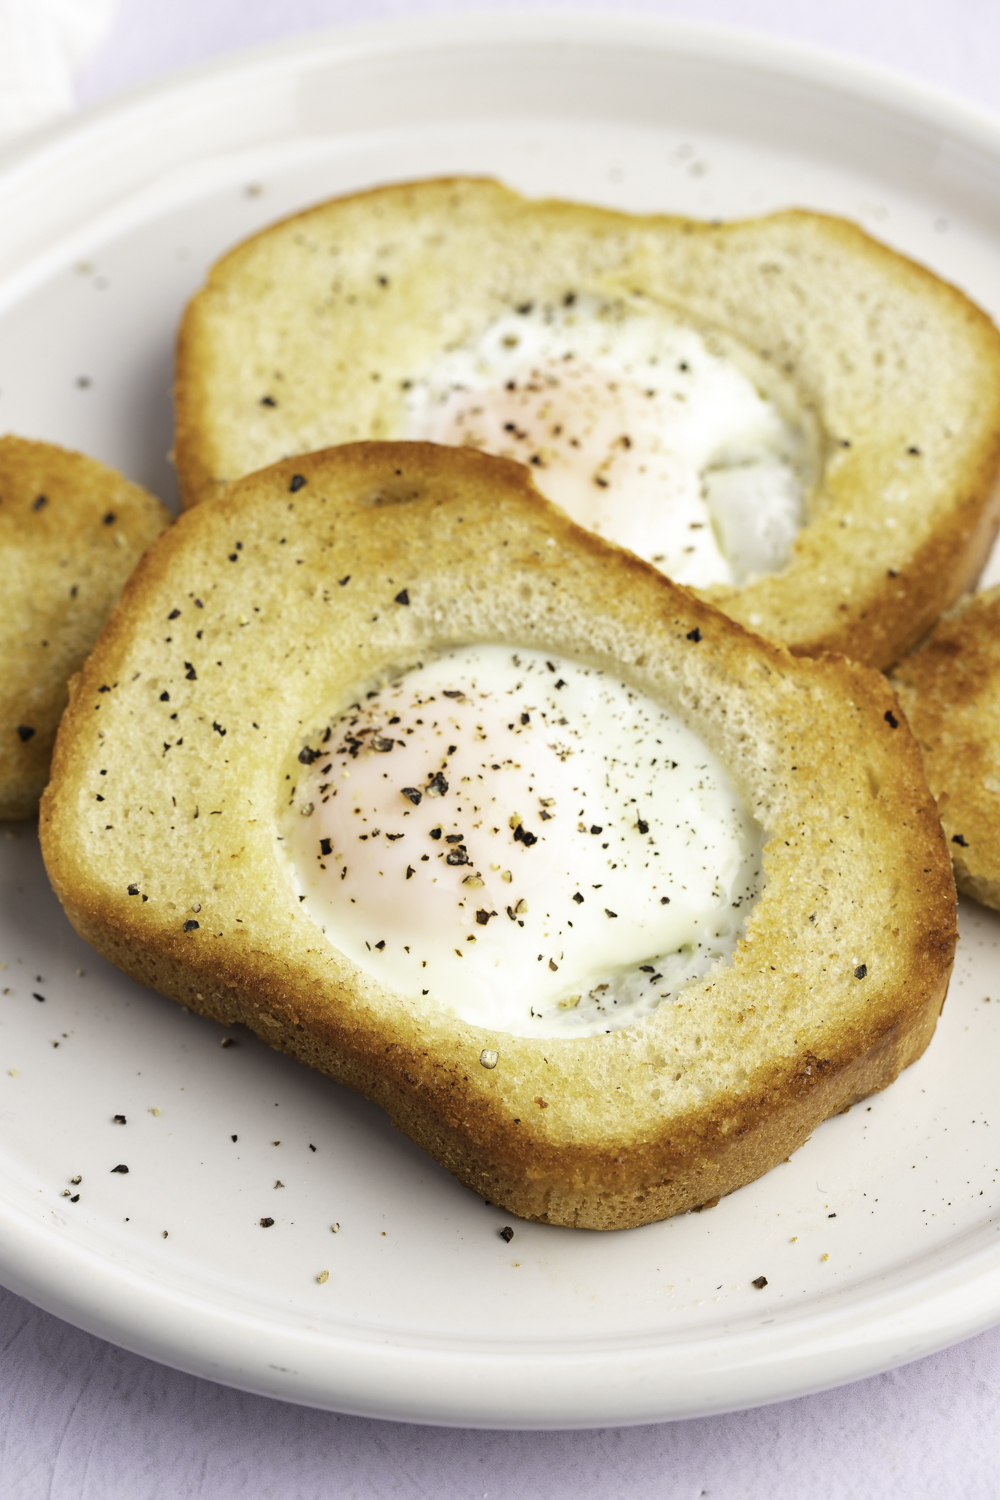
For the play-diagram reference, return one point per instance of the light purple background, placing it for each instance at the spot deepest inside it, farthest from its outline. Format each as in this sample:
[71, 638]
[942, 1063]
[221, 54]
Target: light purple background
[82, 1420]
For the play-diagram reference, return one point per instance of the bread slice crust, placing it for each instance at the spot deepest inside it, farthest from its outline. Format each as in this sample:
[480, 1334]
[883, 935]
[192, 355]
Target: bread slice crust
[307, 334]
[950, 690]
[71, 531]
[290, 590]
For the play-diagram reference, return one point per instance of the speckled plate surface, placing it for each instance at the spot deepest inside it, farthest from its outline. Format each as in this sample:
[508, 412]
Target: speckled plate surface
[880, 1240]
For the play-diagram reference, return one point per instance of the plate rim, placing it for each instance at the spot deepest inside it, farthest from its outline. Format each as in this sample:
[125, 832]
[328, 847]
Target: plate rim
[400, 1380]
[458, 28]
[377, 1376]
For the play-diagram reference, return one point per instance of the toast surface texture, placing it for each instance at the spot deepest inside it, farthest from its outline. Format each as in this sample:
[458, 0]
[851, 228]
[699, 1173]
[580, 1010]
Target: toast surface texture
[307, 334]
[950, 690]
[301, 585]
[71, 531]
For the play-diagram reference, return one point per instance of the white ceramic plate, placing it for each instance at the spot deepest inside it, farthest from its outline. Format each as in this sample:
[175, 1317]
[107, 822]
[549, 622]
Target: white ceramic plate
[880, 1241]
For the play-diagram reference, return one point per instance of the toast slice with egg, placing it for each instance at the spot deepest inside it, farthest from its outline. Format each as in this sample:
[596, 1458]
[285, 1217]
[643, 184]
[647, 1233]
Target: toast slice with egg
[822, 414]
[950, 690]
[226, 696]
[71, 531]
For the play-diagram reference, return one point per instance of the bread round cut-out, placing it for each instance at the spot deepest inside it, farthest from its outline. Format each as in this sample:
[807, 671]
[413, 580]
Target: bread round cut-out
[950, 690]
[71, 531]
[257, 620]
[784, 412]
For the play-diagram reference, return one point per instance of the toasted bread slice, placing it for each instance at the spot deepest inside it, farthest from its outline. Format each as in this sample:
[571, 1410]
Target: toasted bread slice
[300, 585]
[71, 531]
[950, 690]
[311, 333]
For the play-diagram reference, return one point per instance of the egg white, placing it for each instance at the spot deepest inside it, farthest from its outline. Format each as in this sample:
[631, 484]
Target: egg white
[633, 425]
[535, 846]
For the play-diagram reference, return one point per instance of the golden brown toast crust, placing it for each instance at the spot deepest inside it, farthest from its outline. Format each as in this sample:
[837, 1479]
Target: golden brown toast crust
[950, 689]
[844, 965]
[305, 335]
[71, 531]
